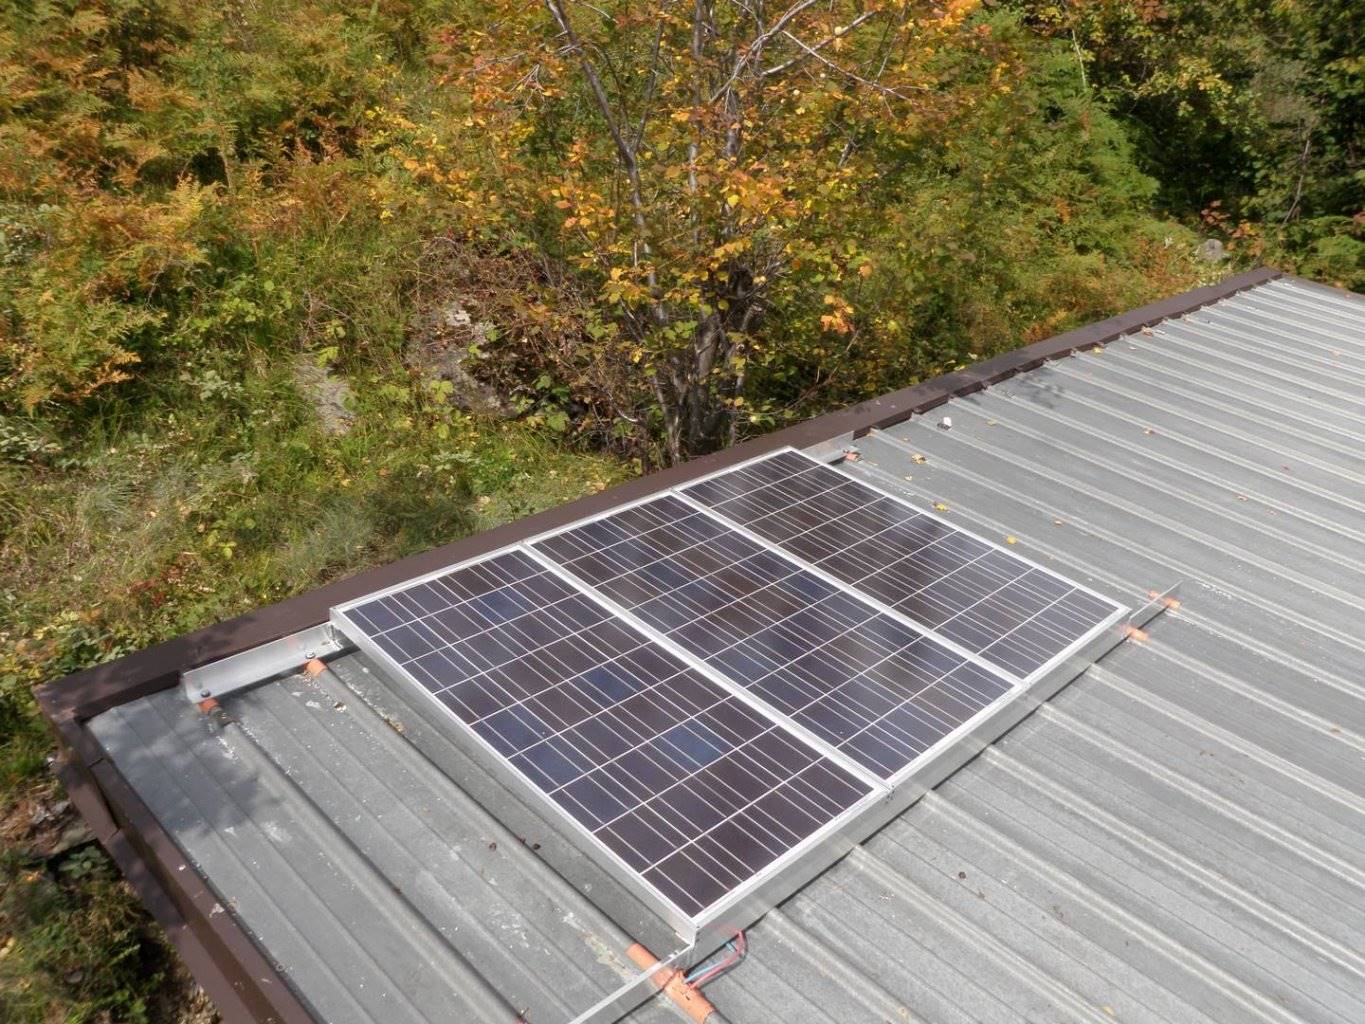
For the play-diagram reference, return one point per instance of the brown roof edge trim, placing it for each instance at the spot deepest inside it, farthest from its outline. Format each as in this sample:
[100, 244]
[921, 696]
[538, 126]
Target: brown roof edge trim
[89, 692]
[1329, 290]
[244, 986]
[204, 967]
[968, 380]
[239, 968]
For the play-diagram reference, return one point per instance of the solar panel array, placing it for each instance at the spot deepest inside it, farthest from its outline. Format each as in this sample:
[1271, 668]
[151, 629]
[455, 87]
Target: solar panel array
[689, 786]
[1013, 614]
[867, 684]
[707, 680]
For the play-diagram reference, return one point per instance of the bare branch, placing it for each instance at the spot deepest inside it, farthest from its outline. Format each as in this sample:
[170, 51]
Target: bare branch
[624, 151]
[853, 75]
[1308, 127]
[575, 46]
[754, 50]
[648, 100]
[811, 51]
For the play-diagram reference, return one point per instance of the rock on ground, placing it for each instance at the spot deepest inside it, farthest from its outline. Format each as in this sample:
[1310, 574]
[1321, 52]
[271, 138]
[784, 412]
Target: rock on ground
[329, 395]
[439, 343]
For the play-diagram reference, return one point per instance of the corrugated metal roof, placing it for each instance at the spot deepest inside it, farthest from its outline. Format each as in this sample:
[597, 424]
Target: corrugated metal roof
[1175, 837]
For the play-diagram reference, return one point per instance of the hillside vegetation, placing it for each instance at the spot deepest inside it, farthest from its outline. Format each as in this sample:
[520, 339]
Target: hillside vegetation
[291, 289]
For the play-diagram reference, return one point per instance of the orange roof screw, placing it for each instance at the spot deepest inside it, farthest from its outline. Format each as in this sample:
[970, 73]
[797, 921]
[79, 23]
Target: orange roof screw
[205, 706]
[674, 985]
[313, 668]
[1171, 603]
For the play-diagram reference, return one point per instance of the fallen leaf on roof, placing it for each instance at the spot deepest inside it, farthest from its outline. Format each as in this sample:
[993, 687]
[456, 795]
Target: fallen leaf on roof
[940, 506]
[1148, 331]
[918, 458]
[1059, 522]
[1011, 539]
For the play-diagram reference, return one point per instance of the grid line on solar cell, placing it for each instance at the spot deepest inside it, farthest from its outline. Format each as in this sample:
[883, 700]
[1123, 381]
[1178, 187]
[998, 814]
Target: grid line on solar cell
[1012, 614]
[860, 680]
[692, 789]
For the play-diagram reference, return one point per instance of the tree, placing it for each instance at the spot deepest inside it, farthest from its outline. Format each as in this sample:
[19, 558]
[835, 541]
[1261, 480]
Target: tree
[703, 162]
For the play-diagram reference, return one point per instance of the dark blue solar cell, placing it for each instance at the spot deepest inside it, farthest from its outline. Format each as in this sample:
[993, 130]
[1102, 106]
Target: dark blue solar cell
[607, 737]
[562, 707]
[742, 666]
[501, 605]
[700, 804]
[613, 687]
[377, 616]
[548, 765]
[470, 700]
[693, 741]
[811, 587]
[452, 624]
[428, 597]
[589, 800]
[514, 729]
[640, 843]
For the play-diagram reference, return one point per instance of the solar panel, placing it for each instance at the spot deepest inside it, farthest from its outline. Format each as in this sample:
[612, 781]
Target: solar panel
[716, 689]
[873, 688]
[690, 787]
[1015, 615]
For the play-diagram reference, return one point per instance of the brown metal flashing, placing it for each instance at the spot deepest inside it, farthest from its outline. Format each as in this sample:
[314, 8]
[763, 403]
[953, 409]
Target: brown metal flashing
[223, 958]
[221, 954]
[923, 397]
[1331, 291]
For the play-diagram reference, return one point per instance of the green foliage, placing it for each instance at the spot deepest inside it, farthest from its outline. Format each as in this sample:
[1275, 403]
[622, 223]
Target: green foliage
[1250, 112]
[80, 942]
[1021, 216]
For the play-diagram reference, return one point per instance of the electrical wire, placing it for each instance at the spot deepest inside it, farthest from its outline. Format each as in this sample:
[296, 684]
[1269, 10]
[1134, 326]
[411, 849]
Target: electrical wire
[727, 958]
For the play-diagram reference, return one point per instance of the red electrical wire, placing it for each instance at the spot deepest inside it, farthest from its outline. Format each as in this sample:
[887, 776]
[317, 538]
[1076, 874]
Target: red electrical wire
[738, 950]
